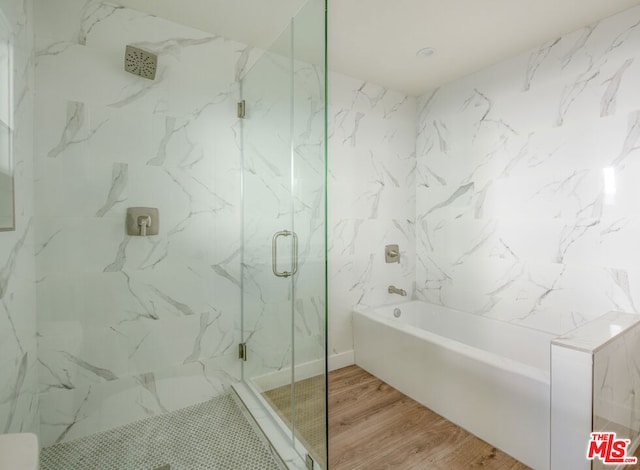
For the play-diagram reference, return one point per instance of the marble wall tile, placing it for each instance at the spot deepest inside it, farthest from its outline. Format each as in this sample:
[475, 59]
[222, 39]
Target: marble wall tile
[126, 322]
[526, 206]
[71, 413]
[371, 184]
[18, 346]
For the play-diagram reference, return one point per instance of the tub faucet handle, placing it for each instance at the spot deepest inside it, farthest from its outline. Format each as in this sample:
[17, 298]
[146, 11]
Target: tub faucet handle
[395, 290]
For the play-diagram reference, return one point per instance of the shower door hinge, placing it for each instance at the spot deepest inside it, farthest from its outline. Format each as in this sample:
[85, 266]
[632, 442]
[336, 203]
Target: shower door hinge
[242, 351]
[242, 109]
[309, 462]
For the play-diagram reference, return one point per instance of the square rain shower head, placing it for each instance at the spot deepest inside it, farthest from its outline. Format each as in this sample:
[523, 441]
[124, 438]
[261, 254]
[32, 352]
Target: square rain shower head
[140, 62]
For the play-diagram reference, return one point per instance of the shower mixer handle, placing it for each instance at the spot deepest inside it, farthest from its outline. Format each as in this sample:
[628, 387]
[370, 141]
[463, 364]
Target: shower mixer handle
[144, 221]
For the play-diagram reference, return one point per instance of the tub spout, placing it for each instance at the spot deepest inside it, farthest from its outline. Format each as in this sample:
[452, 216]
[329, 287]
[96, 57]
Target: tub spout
[395, 290]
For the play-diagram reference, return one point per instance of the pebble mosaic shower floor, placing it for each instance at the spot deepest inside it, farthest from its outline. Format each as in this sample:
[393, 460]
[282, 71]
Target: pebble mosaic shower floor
[210, 436]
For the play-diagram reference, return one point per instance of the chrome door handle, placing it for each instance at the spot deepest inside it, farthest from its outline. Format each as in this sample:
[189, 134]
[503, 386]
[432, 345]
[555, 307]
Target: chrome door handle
[274, 253]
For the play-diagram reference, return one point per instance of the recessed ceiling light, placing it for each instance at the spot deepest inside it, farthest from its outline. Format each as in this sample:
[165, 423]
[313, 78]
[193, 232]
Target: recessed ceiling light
[426, 52]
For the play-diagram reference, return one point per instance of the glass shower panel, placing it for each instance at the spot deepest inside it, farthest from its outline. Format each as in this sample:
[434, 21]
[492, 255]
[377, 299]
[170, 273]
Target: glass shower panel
[308, 193]
[284, 248]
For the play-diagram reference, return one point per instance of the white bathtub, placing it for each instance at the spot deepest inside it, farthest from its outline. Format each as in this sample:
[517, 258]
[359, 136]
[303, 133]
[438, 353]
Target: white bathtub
[487, 376]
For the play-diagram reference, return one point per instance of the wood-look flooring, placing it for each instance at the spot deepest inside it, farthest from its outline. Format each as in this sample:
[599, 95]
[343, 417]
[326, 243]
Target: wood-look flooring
[373, 426]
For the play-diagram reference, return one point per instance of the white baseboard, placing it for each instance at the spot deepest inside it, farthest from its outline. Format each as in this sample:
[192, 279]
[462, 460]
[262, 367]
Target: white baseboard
[303, 371]
[282, 377]
[340, 360]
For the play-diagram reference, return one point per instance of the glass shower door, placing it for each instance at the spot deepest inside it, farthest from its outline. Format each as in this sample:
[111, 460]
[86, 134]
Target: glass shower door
[309, 222]
[283, 268]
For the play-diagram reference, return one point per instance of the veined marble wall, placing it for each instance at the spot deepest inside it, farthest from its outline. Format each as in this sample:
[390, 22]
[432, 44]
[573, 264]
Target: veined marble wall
[131, 327]
[371, 143]
[18, 345]
[527, 183]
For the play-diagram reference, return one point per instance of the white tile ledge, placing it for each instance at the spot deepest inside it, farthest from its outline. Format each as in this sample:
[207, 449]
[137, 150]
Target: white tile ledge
[597, 333]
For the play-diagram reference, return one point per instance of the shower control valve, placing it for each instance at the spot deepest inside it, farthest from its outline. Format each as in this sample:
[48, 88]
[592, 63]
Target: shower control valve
[392, 254]
[142, 221]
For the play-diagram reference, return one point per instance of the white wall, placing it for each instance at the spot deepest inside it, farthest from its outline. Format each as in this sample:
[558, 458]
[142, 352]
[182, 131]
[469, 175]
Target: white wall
[371, 144]
[18, 348]
[514, 219]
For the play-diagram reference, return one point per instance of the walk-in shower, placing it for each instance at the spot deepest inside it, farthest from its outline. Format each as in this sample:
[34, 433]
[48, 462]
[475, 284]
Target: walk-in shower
[119, 344]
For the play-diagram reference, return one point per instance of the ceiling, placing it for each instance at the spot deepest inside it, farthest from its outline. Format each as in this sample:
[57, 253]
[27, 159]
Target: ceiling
[377, 40]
